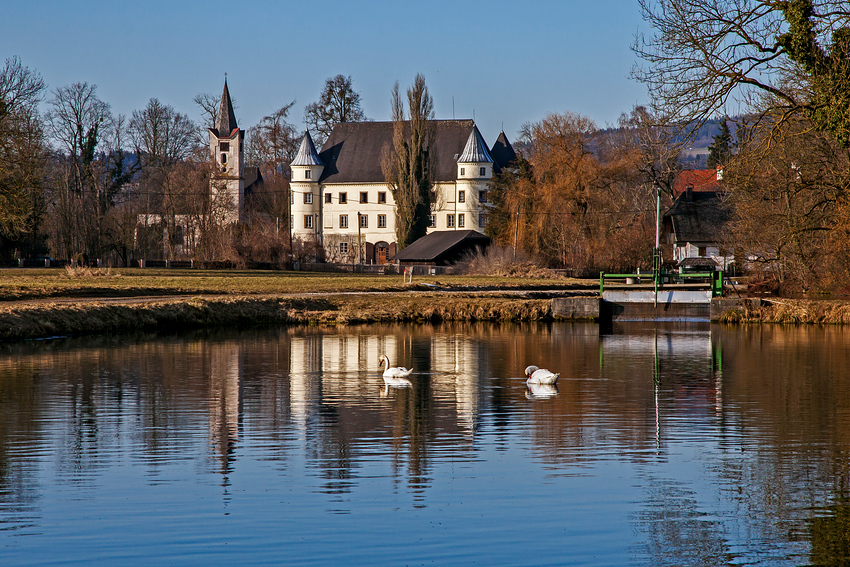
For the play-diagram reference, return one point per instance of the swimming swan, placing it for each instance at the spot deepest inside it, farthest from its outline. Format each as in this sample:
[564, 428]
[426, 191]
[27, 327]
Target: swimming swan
[540, 376]
[393, 372]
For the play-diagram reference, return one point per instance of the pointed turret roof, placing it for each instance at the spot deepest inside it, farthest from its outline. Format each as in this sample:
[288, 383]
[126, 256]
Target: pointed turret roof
[502, 151]
[307, 154]
[475, 150]
[226, 122]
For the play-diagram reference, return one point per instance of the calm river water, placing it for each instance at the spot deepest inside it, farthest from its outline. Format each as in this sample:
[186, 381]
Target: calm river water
[662, 445]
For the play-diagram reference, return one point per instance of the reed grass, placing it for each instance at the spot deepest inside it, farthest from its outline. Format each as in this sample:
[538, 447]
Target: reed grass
[50, 319]
[792, 312]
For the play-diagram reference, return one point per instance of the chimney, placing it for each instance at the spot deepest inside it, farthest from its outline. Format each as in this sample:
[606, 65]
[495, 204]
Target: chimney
[689, 193]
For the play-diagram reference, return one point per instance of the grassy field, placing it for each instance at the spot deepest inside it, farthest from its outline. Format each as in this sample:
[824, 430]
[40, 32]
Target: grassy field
[34, 283]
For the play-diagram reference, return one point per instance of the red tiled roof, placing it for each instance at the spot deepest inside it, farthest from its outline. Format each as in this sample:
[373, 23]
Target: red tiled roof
[702, 180]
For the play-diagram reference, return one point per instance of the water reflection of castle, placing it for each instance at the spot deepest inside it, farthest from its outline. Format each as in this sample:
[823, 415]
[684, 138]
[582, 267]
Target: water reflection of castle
[343, 368]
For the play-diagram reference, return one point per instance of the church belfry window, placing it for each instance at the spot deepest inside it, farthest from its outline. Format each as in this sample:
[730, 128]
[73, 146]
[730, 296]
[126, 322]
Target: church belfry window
[224, 146]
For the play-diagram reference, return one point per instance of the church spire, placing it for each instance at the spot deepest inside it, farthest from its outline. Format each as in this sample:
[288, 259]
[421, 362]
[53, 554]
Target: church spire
[226, 118]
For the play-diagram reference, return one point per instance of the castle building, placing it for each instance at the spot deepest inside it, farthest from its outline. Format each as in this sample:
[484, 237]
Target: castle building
[341, 200]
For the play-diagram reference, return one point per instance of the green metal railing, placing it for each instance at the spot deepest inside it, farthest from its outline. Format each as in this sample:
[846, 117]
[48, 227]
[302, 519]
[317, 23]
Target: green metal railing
[659, 277]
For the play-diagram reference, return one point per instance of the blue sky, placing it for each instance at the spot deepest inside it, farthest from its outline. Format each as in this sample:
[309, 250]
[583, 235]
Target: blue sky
[505, 62]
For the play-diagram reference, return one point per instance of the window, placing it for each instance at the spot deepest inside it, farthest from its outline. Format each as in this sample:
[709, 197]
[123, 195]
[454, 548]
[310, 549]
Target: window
[432, 221]
[382, 221]
[291, 198]
[482, 171]
[382, 196]
[450, 221]
[343, 247]
[308, 174]
[308, 221]
[328, 198]
[308, 198]
[343, 221]
[225, 146]
[463, 171]
[364, 221]
[461, 220]
[223, 158]
[701, 251]
[364, 197]
[482, 196]
[461, 196]
[482, 221]
[343, 198]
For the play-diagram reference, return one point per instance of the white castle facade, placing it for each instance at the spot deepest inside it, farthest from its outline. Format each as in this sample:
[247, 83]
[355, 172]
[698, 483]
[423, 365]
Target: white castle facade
[340, 199]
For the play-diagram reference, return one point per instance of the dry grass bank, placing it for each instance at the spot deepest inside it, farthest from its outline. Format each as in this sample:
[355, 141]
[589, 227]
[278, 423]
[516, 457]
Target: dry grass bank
[31, 283]
[793, 311]
[92, 317]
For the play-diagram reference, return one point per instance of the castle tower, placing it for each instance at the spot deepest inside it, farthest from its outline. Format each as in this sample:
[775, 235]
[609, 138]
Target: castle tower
[474, 171]
[226, 151]
[305, 191]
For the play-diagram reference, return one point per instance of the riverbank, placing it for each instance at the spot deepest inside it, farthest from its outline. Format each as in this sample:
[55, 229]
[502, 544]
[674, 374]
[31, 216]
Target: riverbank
[37, 304]
[790, 311]
[50, 319]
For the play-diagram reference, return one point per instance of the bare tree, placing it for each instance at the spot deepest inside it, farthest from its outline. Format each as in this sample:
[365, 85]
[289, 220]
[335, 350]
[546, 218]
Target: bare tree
[79, 122]
[22, 149]
[658, 146]
[707, 57]
[208, 104]
[409, 167]
[163, 138]
[338, 103]
[272, 143]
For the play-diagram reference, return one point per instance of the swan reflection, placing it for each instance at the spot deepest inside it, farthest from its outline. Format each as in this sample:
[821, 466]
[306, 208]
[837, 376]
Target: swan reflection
[537, 391]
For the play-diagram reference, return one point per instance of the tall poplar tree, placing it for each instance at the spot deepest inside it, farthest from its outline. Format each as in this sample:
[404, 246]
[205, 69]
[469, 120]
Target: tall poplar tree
[409, 166]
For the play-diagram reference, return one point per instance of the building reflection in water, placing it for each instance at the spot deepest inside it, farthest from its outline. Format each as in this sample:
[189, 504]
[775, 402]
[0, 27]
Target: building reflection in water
[762, 409]
[222, 361]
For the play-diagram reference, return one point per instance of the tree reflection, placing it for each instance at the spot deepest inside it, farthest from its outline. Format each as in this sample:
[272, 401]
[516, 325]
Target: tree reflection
[764, 410]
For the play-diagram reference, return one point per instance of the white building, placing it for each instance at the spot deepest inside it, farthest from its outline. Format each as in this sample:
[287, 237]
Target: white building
[340, 198]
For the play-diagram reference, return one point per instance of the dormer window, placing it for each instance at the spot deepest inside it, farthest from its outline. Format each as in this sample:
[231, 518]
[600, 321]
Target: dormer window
[308, 174]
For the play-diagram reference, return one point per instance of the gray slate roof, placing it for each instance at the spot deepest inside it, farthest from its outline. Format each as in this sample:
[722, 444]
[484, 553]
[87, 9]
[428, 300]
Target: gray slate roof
[226, 122]
[307, 154]
[502, 152]
[475, 150]
[352, 153]
[703, 218]
[442, 246]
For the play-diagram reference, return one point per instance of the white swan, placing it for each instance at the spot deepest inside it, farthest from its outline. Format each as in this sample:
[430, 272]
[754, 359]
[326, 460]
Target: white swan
[395, 375]
[540, 376]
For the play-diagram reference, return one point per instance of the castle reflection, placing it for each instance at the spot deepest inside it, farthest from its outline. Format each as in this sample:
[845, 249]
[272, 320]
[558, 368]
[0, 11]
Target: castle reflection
[764, 407]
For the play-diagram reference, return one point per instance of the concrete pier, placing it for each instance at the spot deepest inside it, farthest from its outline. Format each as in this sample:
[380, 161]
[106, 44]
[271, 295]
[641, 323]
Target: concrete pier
[638, 305]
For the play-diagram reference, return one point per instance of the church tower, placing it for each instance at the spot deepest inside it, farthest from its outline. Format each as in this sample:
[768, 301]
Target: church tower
[226, 151]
